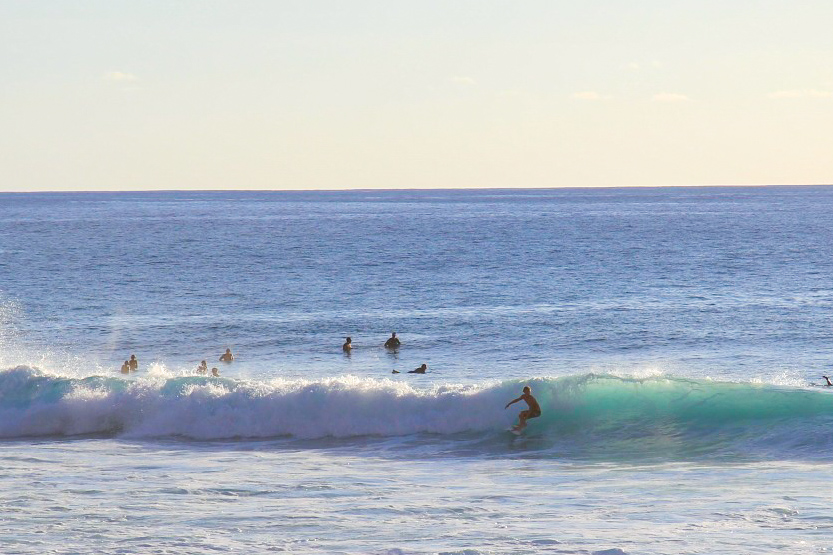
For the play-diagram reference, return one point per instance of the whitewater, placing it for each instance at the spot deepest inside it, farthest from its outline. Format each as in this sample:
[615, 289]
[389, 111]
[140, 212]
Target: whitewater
[659, 417]
[675, 339]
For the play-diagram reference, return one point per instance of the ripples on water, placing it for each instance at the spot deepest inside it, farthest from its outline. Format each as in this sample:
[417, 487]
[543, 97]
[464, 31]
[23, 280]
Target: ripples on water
[706, 282]
[671, 333]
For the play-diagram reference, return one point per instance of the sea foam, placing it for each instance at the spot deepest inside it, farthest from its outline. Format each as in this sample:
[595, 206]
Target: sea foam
[580, 412]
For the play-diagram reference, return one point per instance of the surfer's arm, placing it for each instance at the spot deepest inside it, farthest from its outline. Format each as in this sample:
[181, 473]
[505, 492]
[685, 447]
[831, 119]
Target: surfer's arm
[513, 402]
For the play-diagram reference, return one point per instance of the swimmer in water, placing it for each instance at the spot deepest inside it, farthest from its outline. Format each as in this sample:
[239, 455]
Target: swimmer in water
[202, 368]
[392, 342]
[227, 356]
[125, 368]
[134, 364]
[420, 370]
[215, 372]
[348, 344]
[534, 411]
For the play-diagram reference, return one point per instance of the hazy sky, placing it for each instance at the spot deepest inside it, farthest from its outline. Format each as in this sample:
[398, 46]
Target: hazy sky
[308, 94]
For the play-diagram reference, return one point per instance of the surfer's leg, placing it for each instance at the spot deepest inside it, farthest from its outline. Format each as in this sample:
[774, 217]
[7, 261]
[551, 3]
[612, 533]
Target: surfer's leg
[522, 420]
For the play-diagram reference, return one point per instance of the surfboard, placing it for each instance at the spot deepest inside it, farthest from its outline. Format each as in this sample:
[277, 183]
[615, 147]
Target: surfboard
[514, 430]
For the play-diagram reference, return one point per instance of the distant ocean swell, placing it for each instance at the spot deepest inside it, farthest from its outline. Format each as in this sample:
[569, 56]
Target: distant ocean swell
[659, 413]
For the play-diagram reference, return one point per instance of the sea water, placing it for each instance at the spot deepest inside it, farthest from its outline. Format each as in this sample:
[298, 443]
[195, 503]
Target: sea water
[675, 339]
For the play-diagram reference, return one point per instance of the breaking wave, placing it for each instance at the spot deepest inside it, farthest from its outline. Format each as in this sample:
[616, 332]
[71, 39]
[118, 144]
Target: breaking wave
[583, 415]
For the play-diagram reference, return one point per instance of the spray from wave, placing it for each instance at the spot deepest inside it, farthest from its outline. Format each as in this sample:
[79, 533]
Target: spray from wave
[583, 415]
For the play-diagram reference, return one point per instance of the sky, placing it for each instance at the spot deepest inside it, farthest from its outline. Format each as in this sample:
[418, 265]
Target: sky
[313, 94]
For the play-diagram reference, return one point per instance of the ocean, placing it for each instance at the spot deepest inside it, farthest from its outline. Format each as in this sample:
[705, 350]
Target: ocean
[675, 338]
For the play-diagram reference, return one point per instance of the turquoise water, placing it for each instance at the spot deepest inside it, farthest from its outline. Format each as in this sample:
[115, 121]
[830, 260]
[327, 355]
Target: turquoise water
[675, 339]
[588, 417]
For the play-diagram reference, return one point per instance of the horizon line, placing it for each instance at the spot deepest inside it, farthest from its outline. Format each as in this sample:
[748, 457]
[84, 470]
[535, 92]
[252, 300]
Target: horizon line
[391, 189]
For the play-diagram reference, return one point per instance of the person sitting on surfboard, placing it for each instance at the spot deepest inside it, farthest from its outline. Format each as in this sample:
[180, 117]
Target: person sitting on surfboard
[227, 356]
[534, 411]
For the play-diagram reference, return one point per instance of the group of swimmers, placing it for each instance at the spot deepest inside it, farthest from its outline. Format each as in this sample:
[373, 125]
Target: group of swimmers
[202, 368]
[392, 344]
[533, 409]
[132, 364]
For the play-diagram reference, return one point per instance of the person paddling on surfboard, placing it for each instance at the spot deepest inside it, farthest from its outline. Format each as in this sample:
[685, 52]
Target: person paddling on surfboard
[534, 410]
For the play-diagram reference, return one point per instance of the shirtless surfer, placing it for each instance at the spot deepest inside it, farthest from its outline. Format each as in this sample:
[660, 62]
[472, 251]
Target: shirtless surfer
[829, 383]
[392, 342]
[534, 411]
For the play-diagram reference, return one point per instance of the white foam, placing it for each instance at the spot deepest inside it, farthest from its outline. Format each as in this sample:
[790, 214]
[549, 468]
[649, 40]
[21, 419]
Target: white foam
[216, 408]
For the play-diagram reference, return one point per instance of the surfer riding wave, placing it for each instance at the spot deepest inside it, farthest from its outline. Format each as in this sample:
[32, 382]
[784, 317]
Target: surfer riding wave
[534, 410]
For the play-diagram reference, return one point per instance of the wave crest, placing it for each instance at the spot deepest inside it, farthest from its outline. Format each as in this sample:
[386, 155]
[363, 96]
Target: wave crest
[586, 413]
